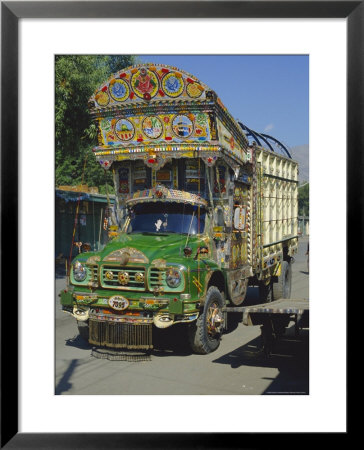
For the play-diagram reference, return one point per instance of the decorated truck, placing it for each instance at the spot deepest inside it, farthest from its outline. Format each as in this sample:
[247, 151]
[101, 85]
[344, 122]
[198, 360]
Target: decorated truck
[204, 208]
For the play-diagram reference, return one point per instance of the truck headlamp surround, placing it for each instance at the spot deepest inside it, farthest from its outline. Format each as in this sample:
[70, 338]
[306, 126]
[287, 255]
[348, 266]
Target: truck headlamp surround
[79, 271]
[173, 278]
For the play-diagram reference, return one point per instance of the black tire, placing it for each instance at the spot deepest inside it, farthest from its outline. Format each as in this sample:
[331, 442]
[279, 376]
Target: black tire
[83, 330]
[265, 292]
[283, 287]
[204, 335]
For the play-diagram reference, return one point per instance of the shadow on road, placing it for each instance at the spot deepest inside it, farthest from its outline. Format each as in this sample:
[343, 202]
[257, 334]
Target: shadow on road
[78, 342]
[289, 356]
[64, 385]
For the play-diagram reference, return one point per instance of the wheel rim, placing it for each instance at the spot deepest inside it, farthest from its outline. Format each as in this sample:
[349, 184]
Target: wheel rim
[214, 320]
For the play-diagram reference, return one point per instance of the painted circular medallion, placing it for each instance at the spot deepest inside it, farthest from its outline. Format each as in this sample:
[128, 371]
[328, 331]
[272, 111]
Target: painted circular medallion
[145, 83]
[102, 98]
[119, 90]
[172, 85]
[152, 127]
[194, 90]
[124, 130]
[182, 126]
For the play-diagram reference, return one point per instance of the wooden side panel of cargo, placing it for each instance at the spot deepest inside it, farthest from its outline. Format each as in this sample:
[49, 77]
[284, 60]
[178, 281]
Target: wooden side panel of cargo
[277, 202]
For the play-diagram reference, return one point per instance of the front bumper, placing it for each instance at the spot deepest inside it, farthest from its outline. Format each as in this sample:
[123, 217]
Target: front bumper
[137, 304]
[130, 328]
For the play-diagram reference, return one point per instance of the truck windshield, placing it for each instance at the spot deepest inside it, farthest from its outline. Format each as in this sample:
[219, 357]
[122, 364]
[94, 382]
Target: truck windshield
[166, 218]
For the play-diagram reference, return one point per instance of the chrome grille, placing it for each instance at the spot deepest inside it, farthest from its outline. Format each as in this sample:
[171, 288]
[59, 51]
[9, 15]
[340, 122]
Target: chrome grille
[92, 270]
[157, 278]
[132, 284]
[121, 335]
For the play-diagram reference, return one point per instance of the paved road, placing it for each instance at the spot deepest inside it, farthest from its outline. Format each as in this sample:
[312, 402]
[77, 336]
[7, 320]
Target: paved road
[236, 367]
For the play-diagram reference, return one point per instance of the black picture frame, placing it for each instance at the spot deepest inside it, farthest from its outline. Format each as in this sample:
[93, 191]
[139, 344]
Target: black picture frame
[11, 12]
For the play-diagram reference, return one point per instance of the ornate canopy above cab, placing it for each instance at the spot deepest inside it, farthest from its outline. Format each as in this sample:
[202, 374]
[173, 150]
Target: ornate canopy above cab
[147, 83]
[153, 112]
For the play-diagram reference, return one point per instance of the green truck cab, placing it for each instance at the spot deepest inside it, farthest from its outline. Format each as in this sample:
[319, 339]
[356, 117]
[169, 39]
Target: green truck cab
[200, 214]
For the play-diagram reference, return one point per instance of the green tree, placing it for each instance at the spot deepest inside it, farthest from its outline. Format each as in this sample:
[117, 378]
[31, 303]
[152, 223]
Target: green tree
[76, 79]
[304, 200]
[118, 62]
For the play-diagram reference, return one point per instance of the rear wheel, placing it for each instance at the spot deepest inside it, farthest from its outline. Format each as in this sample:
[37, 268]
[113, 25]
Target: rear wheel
[283, 287]
[204, 334]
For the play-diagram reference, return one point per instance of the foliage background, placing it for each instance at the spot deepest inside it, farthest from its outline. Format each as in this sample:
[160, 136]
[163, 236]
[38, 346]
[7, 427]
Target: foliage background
[304, 200]
[76, 79]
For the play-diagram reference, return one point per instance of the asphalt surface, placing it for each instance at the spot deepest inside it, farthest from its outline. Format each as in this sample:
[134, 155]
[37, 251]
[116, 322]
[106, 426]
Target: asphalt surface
[238, 366]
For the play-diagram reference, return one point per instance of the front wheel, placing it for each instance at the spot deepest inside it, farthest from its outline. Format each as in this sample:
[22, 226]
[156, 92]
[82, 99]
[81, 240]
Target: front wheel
[204, 334]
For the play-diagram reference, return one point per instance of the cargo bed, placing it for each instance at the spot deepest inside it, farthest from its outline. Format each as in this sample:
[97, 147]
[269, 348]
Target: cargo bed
[289, 306]
[274, 317]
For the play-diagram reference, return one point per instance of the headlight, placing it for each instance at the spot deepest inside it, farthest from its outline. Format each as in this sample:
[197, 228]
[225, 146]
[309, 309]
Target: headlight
[79, 271]
[173, 278]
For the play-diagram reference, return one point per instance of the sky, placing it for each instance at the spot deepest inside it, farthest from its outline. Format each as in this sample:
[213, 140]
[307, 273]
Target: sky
[269, 94]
